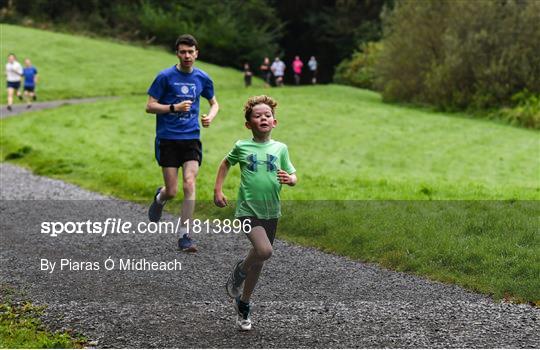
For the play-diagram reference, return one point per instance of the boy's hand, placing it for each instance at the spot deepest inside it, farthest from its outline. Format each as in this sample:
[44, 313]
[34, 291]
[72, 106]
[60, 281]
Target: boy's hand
[205, 120]
[219, 199]
[183, 106]
[284, 178]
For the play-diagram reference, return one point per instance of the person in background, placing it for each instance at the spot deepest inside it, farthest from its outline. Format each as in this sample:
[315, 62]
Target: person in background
[312, 64]
[278, 69]
[297, 69]
[30, 74]
[266, 73]
[247, 75]
[14, 72]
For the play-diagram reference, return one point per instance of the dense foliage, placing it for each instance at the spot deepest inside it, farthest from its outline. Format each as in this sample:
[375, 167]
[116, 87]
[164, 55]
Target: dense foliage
[455, 55]
[458, 54]
[359, 70]
[525, 112]
[228, 32]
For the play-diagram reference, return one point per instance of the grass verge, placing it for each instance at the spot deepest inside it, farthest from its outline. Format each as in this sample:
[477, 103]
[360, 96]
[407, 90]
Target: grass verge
[21, 328]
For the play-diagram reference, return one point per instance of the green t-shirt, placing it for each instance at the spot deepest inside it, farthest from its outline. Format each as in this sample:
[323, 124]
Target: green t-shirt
[259, 187]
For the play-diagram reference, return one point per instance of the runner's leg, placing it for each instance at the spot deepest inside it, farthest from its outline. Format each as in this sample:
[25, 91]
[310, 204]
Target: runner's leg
[253, 264]
[10, 92]
[27, 98]
[190, 169]
[170, 178]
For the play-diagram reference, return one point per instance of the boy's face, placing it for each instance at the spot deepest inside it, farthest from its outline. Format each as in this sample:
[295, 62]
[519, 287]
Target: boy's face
[262, 120]
[187, 55]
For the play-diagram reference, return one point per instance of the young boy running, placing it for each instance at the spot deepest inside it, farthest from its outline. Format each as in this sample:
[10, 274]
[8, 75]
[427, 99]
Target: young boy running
[265, 166]
[174, 98]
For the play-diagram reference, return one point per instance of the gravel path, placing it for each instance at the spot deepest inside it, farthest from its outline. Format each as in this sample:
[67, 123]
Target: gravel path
[305, 299]
[20, 108]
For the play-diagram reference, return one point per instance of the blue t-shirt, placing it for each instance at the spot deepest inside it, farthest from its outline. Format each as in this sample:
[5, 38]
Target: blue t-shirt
[29, 73]
[173, 86]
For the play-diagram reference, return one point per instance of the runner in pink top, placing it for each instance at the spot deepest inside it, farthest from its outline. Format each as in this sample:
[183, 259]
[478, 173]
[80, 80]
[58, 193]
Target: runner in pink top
[297, 69]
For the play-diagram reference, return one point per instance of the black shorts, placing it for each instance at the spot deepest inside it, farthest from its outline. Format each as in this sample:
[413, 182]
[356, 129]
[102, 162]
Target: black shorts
[13, 84]
[29, 88]
[174, 153]
[269, 225]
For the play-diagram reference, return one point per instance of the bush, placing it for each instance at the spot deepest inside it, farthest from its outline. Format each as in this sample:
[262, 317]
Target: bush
[460, 54]
[359, 70]
[525, 113]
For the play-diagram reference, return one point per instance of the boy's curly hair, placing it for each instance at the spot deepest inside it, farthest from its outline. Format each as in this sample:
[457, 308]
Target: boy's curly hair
[256, 100]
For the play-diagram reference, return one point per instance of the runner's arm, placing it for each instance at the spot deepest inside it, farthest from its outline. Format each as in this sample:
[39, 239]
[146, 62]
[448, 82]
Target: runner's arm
[214, 108]
[154, 107]
[206, 119]
[286, 178]
[219, 198]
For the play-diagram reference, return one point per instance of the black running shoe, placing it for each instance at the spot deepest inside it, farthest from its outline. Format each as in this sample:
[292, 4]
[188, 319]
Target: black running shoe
[186, 244]
[155, 210]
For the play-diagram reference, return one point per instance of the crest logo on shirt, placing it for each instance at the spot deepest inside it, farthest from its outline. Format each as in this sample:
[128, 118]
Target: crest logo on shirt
[270, 162]
[184, 89]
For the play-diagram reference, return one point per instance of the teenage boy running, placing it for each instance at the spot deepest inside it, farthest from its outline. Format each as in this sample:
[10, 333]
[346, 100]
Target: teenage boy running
[174, 98]
[265, 166]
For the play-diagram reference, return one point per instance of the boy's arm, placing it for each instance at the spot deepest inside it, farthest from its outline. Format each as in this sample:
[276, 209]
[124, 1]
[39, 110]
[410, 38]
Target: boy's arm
[219, 198]
[288, 176]
[285, 178]
[214, 108]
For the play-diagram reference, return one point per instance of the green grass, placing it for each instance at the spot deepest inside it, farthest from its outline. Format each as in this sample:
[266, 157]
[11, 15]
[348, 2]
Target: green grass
[346, 145]
[486, 246]
[383, 152]
[74, 66]
[21, 328]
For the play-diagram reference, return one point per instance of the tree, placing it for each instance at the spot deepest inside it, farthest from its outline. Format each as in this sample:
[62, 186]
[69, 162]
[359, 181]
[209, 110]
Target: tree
[460, 54]
[329, 30]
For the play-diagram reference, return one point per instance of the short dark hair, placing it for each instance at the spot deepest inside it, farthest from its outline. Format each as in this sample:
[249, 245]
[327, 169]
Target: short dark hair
[186, 39]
